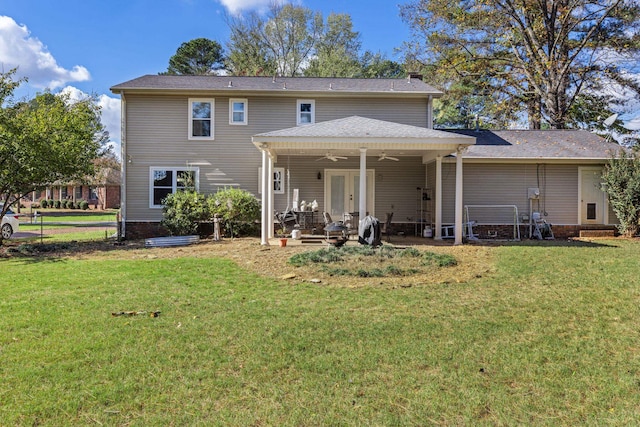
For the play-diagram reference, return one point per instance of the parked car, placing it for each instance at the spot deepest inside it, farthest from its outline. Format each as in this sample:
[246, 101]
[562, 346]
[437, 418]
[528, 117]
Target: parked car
[10, 224]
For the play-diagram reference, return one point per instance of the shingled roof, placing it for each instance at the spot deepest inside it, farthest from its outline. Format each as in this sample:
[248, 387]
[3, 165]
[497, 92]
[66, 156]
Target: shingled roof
[538, 144]
[233, 84]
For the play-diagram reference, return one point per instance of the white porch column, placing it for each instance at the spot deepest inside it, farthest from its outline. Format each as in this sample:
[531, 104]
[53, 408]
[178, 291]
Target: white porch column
[264, 226]
[363, 184]
[438, 225]
[458, 228]
[270, 199]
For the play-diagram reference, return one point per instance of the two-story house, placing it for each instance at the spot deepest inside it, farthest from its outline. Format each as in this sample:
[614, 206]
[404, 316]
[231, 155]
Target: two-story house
[363, 146]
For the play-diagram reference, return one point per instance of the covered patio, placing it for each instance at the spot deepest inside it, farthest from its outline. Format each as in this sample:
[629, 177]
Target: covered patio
[362, 137]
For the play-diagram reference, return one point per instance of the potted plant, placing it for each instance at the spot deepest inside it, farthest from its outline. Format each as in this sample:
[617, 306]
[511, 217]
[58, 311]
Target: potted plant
[283, 238]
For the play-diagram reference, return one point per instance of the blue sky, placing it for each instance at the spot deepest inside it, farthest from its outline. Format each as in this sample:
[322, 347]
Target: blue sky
[87, 46]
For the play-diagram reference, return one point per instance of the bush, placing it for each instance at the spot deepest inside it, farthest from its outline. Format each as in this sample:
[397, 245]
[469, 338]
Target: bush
[182, 211]
[44, 203]
[238, 209]
[70, 204]
[57, 204]
[622, 184]
[83, 204]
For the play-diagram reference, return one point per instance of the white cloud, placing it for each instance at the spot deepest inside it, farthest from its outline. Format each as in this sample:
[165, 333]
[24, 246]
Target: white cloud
[19, 49]
[633, 124]
[236, 6]
[110, 113]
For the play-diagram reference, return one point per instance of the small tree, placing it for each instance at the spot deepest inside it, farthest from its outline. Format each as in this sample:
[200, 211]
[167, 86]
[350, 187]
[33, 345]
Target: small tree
[622, 184]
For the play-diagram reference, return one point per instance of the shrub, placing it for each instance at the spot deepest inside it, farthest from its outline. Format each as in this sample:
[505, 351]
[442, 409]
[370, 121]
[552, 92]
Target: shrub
[57, 204]
[70, 204]
[84, 205]
[182, 211]
[621, 177]
[238, 209]
[44, 203]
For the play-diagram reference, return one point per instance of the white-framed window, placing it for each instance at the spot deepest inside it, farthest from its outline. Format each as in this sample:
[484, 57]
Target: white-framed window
[201, 116]
[78, 192]
[278, 180]
[164, 181]
[306, 114]
[238, 111]
[93, 193]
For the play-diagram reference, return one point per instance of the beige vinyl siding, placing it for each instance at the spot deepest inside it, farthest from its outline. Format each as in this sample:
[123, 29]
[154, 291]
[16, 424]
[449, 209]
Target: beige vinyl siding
[157, 136]
[395, 183]
[507, 184]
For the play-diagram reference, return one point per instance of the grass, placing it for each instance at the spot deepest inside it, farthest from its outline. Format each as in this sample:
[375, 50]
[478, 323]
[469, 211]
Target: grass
[65, 215]
[552, 338]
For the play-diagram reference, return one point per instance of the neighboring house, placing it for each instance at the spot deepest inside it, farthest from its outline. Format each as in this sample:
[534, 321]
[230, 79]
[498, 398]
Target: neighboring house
[101, 191]
[331, 139]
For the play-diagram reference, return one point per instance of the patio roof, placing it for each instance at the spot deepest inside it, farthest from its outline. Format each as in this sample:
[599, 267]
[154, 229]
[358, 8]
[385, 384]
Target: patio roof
[346, 136]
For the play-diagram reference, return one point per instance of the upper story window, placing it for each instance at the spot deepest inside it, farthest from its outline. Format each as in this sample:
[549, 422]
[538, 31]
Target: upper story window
[165, 181]
[238, 111]
[201, 114]
[306, 112]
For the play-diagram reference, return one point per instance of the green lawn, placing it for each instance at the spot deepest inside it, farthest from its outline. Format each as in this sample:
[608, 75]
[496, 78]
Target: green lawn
[66, 215]
[552, 338]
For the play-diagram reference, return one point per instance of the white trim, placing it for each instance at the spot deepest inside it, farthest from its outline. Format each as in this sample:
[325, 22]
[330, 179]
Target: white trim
[280, 182]
[370, 193]
[191, 119]
[174, 183]
[245, 111]
[312, 113]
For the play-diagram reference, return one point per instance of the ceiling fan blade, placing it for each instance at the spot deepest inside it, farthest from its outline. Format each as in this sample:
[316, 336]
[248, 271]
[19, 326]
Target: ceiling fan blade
[384, 156]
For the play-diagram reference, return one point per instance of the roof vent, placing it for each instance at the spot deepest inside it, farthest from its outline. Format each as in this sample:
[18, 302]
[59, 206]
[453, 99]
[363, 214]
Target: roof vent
[330, 86]
[230, 83]
[284, 85]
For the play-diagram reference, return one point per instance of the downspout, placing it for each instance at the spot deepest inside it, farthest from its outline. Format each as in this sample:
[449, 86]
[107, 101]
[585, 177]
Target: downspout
[124, 160]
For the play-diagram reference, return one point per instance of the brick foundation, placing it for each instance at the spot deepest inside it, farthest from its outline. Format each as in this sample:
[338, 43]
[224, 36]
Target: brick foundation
[143, 230]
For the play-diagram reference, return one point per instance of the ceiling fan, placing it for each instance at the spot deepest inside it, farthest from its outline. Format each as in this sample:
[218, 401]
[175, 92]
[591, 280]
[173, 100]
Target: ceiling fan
[383, 156]
[331, 157]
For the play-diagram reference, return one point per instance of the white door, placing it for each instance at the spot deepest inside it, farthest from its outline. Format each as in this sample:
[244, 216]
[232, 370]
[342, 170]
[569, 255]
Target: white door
[342, 192]
[592, 198]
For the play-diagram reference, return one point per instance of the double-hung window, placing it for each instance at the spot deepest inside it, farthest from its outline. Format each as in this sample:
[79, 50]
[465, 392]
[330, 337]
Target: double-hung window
[165, 181]
[306, 112]
[201, 116]
[238, 110]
